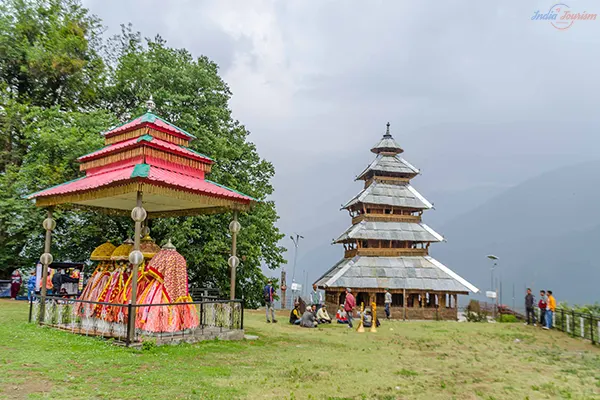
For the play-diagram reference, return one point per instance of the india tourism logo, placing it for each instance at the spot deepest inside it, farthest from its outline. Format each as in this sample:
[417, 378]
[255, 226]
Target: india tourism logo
[562, 17]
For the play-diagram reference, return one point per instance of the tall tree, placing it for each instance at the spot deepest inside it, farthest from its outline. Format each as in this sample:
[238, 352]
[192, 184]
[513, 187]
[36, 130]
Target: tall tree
[56, 138]
[50, 75]
[48, 57]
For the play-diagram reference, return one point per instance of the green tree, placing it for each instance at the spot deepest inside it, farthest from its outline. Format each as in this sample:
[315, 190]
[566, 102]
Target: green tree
[50, 74]
[48, 58]
[56, 139]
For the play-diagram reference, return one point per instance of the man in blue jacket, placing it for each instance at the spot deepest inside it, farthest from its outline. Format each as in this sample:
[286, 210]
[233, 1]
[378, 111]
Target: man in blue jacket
[269, 293]
[31, 286]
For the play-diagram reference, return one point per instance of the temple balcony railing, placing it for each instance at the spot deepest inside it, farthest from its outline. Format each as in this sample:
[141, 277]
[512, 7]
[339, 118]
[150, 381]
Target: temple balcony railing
[386, 218]
[379, 252]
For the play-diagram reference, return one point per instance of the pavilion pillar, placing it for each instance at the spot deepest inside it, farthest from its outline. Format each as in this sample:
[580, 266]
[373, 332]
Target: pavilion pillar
[234, 261]
[138, 214]
[46, 259]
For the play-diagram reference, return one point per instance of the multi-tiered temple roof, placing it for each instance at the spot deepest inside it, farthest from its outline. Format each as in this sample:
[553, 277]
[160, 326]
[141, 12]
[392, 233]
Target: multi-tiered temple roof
[152, 156]
[387, 245]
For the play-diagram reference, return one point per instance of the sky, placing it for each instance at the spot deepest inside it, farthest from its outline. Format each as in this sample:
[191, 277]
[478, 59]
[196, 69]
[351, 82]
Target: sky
[480, 96]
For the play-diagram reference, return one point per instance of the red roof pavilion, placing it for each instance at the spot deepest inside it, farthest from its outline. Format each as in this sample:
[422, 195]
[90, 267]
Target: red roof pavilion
[148, 155]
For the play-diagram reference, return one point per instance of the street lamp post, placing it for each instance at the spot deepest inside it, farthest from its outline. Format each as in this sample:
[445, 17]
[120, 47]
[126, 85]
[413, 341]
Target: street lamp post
[494, 259]
[296, 240]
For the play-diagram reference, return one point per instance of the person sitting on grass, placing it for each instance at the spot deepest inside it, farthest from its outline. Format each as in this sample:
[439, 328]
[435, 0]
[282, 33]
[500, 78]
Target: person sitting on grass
[323, 316]
[368, 319]
[308, 319]
[341, 316]
[295, 315]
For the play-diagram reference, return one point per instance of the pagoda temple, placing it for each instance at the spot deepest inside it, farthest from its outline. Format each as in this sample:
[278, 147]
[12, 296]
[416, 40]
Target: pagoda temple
[387, 246]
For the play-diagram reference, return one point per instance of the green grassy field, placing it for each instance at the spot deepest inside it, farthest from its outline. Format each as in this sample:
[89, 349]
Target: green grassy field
[404, 360]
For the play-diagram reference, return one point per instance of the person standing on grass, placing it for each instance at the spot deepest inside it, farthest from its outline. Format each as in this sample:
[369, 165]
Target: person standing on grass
[542, 306]
[550, 308]
[268, 293]
[316, 297]
[529, 302]
[15, 284]
[349, 305]
[388, 303]
[31, 286]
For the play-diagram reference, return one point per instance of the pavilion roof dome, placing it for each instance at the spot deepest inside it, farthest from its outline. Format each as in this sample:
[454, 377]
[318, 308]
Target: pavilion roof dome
[390, 194]
[401, 231]
[151, 156]
[387, 144]
[103, 252]
[150, 119]
[389, 165]
[411, 273]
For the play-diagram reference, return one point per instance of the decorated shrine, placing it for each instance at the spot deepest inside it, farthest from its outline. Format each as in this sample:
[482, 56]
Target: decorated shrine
[387, 246]
[146, 170]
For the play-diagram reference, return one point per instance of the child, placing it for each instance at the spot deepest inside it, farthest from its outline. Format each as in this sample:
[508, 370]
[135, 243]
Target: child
[31, 287]
[341, 316]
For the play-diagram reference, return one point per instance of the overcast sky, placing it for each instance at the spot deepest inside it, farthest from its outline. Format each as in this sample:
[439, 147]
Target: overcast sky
[479, 95]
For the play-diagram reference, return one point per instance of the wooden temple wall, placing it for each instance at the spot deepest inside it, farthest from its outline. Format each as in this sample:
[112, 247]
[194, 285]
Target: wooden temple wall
[415, 306]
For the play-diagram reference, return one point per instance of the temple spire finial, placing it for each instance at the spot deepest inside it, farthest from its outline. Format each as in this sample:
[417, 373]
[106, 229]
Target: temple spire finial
[150, 104]
[387, 145]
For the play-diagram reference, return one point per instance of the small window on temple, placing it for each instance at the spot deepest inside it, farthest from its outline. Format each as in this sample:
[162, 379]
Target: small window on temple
[388, 211]
[365, 244]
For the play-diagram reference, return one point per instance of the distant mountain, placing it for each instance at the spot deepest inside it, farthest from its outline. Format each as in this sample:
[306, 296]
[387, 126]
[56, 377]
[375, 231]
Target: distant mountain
[449, 204]
[544, 230]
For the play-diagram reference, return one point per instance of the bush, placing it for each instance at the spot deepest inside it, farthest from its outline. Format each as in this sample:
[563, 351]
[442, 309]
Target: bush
[507, 318]
[475, 313]
[148, 345]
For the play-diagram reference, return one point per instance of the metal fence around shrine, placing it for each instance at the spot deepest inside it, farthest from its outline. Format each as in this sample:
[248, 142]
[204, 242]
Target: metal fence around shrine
[204, 319]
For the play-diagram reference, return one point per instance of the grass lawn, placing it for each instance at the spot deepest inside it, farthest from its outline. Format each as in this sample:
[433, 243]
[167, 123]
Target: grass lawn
[404, 360]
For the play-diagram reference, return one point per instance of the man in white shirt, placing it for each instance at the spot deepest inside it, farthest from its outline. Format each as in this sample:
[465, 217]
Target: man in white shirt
[316, 297]
[388, 303]
[323, 316]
